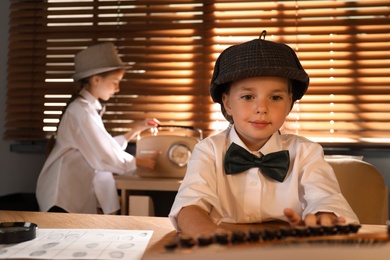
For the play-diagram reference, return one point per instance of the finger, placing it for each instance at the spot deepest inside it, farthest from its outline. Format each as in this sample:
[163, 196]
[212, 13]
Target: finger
[340, 220]
[292, 217]
[153, 122]
[151, 166]
[155, 154]
[310, 220]
[157, 122]
[325, 219]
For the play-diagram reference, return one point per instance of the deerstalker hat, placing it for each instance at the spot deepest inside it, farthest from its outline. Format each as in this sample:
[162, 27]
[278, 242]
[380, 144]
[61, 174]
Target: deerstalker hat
[97, 59]
[256, 58]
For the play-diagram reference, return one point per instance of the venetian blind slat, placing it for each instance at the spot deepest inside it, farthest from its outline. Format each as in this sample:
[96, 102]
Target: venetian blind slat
[171, 47]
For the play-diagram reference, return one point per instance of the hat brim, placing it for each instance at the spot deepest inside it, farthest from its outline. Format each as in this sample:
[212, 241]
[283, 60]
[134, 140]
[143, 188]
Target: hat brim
[299, 78]
[258, 58]
[85, 74]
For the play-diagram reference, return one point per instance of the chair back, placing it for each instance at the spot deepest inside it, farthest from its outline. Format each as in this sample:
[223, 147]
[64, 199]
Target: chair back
[364, 188]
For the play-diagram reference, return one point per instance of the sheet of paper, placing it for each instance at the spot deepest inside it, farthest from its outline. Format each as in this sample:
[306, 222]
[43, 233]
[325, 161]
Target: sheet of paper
[81, 244]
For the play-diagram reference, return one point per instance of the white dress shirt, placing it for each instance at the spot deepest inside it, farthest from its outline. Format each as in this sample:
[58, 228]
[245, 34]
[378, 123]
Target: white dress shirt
[249, 197]
[83, 159]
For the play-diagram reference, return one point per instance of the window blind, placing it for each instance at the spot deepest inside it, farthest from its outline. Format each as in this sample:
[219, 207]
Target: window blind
[172, 45]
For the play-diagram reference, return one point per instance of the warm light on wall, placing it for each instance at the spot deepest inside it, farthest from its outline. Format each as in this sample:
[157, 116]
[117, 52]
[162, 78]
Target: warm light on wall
[344, 46]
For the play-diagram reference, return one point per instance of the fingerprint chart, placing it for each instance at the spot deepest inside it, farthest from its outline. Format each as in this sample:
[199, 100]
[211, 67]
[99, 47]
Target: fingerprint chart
[81, 244]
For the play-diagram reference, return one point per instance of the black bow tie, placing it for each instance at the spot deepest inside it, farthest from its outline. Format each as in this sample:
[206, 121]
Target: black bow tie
[101, 111]
[274, 165]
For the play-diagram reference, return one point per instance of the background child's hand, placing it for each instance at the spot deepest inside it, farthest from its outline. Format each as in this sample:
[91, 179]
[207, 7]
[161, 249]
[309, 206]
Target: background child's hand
[146, 124]
[320, 218]
[152, 122]
[148, 162]
[140, 126]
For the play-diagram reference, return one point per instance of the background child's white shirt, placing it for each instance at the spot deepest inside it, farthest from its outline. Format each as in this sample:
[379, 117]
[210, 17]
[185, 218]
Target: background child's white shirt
[106, 191]
[83, 146]
[248, 197]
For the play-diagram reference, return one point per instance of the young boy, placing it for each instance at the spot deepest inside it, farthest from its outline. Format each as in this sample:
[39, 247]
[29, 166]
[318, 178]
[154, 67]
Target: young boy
[257, 83]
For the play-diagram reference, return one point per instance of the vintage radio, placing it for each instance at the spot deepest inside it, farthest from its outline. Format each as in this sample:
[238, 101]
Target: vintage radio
[175, 144]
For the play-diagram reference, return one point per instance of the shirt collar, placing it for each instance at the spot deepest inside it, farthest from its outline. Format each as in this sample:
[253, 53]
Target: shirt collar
[91, 99]
[274, 144]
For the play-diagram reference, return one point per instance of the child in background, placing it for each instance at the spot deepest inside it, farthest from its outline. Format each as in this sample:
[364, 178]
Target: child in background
[251, 173]
[77, 176]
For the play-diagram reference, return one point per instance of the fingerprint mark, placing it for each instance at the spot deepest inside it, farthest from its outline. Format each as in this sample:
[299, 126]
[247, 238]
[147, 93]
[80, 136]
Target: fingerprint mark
[126, 246]
[49, 245]
[92, 245]
[79, 254]
[55, 236]
[38, 253]
[116, 254]
[71, 237]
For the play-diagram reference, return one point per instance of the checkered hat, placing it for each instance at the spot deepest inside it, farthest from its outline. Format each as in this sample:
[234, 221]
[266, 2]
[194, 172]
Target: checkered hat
[258, 58]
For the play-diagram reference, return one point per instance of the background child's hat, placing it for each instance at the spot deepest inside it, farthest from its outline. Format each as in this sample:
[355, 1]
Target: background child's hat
[258, 58]
[97, 59]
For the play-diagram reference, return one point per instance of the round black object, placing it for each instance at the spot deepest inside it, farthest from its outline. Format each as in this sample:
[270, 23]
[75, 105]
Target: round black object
[16, 232]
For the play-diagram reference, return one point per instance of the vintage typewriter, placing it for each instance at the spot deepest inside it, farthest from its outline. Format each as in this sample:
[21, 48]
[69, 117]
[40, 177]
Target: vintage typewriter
[335, 235]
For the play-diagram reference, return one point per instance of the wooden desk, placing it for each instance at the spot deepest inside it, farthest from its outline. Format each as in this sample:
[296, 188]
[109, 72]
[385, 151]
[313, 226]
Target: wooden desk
[164, 232]
[126, 184]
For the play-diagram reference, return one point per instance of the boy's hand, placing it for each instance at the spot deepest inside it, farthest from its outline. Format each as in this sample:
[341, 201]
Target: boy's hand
[320, 218]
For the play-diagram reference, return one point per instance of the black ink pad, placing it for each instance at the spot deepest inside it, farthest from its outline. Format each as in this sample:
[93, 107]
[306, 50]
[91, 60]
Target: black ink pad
[17, 232]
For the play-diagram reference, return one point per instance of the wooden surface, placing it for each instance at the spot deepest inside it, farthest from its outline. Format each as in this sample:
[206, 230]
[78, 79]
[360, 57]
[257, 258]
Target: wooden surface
[135, 182]
[126, 184]
[164, 233]
[162, 228]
